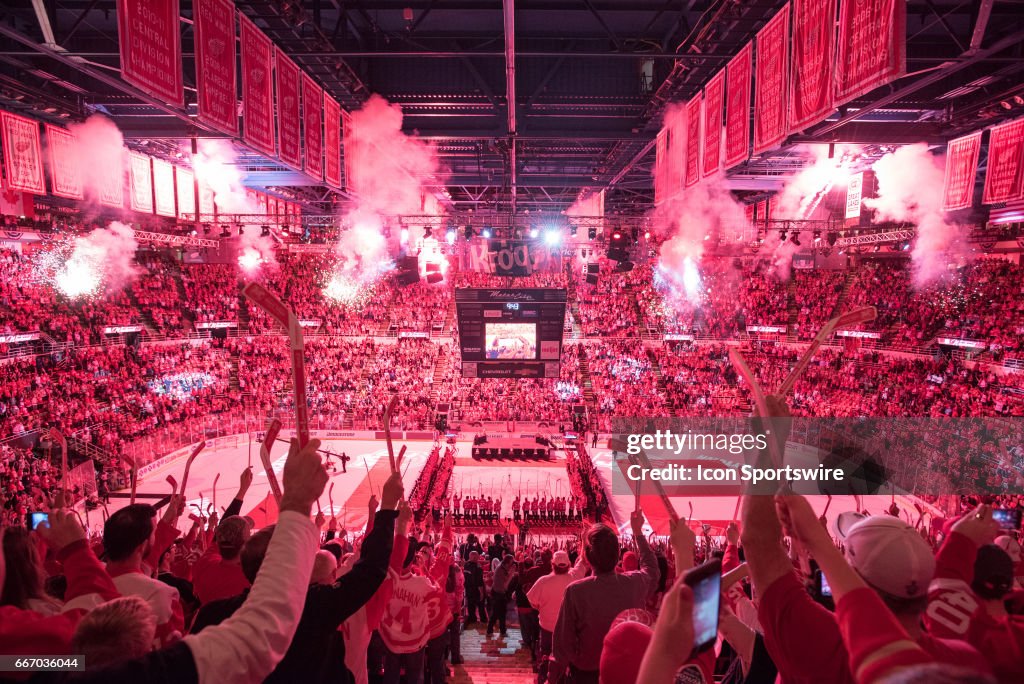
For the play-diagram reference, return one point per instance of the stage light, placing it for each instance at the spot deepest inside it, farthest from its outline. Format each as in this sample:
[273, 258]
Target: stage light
[468, 232]
[832, 237]
[552, 237]
[403, 237]
[426, 231]
[451, 235]
[796, 239]
[782, 236]
[647, 235]
[817, 236]
[616, 236]
[534, 233]
[486, 232]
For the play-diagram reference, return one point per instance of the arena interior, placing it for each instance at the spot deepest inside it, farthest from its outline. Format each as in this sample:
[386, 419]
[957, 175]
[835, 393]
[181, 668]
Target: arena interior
[508, 341]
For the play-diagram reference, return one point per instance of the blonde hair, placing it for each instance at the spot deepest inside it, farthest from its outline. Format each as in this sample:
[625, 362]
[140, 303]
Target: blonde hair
[118, 630]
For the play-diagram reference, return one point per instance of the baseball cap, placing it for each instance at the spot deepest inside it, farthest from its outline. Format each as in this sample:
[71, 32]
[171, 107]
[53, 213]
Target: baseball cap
[232, 532]
[891, 556]
[993, 572]
[1010, 545]
[623, 651]
[560, 558]
[844, 521]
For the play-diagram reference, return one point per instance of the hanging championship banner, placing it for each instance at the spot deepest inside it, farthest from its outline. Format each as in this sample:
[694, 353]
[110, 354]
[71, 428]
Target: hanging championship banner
[854, 195]
[23, 156]
[872, 48]
[346, 141]
[289, 131]
[140, 174]
[215, 64]
[261, 203]
[770, 82]
[150, 41]
[111, 182]
[257, 88]
[1005, 163]
[737, 107]
[714, 97]
[65, 170]
[313, 129]
[163, 188]
[185, 181]
[660, 165]
[207, 207]
[675, 138]
[693, 109]
[961, 169]
[332, 142]
[814, 44]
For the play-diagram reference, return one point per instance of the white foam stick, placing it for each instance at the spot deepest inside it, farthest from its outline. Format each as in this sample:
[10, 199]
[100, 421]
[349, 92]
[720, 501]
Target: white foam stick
[188, 464]
[57, 436]
[645, 462]
[268, 466]
[855, 317]
[759, 399]
[267, 301]
[387, 432]
[330, 498]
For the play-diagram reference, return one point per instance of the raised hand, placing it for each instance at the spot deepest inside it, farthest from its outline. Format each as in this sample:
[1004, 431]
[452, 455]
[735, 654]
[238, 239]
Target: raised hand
[636, 522]
[732, 534]
[373, 504]
[244, 481]
[304, 477]
[404, 517]
[175, 507]
[61, 529]
[978, 525]
[800, 522]
[392, 492]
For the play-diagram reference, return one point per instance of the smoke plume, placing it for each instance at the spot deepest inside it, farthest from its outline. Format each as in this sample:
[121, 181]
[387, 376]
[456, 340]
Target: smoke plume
[910, 187]
[100, 261]
[100, 149]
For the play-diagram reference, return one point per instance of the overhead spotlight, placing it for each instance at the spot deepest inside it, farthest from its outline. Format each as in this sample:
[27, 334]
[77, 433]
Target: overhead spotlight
[832, 237]
[1018, 100]
[265, 231]
[450, 236]
[468, 232]
[905, 245]
[552, 237]
[616, 236]
[878, 248]
[817, 236]
[427, 231]
[534, 233]
[1006, 105]
[572, 231]
[783, 235]
[647, 235]
[796, 239]
[403, 236]
[486, 233]
[591, 233]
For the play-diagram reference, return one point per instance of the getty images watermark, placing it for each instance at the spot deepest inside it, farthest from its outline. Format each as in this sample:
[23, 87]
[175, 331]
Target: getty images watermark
[695, 456]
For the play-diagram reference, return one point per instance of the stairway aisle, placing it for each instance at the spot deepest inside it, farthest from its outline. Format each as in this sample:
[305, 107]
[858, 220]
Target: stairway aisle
[498, 660]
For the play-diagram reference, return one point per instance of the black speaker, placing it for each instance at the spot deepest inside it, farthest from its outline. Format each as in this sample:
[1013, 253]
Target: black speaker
[591, 279]
[593, 268]
[408, 278]
[624, 266]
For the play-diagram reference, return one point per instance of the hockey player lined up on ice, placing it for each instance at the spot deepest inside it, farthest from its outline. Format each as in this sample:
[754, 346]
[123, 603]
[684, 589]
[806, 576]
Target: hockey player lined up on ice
[515, 508]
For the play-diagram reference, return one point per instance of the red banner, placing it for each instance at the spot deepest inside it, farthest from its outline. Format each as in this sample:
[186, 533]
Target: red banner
[814, 54]
[65, 171]
[261, 203]
[770, 82]
[714, 98]
[111, 183]
[961, 169]
[140, 173]
[163, 188]
[289, 114]
[257, 88]
[693, 140]
[150, 39]
[185, 181]
[346, 127]
[737, 107]
[660, 166]
[23, 156]
[215, 64]
[1003, 178]
[332, 142]
[207, 207]
[313, 128]
[872, 46]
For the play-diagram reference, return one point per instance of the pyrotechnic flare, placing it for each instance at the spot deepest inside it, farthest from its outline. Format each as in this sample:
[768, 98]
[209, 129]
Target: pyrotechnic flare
[100, 261]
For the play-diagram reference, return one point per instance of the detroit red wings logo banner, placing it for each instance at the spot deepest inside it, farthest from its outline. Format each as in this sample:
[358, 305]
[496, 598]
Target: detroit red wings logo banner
[814, 54]
[289, 130]
[257, 89]
[65, 171]
[313, 133]
[693, 109]
[737, 107]
[714, 96]
[771, 81]
[23, 156]
[332, 142]
[872, 47]
[215, 64]
[961, 168]
[140, 174]
[1003, 178]
[150, 42]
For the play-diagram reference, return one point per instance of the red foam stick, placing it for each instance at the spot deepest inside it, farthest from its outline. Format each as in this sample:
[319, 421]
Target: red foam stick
[268, 467]
[855, 317]
[330, 497]
[759, 399]
[174, 484]
[188, 464]
[387, 433]
[267, 301]
[135, 478]
[57, 436]
[645, 462]
[214, 496]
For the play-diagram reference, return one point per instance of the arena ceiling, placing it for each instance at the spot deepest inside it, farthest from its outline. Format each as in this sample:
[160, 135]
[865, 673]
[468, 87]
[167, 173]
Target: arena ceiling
[589, 80]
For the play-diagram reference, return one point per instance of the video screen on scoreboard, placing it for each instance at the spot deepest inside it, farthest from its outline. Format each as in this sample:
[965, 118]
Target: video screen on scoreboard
[511, 341]
[510, 333]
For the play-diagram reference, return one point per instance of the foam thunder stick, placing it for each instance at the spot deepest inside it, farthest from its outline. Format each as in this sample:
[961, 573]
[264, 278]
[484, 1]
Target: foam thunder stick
[268, 467]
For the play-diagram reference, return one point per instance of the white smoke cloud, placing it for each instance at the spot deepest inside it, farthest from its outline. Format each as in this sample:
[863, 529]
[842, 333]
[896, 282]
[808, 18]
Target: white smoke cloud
[910, 187]
[101, 261]
[99, 146]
